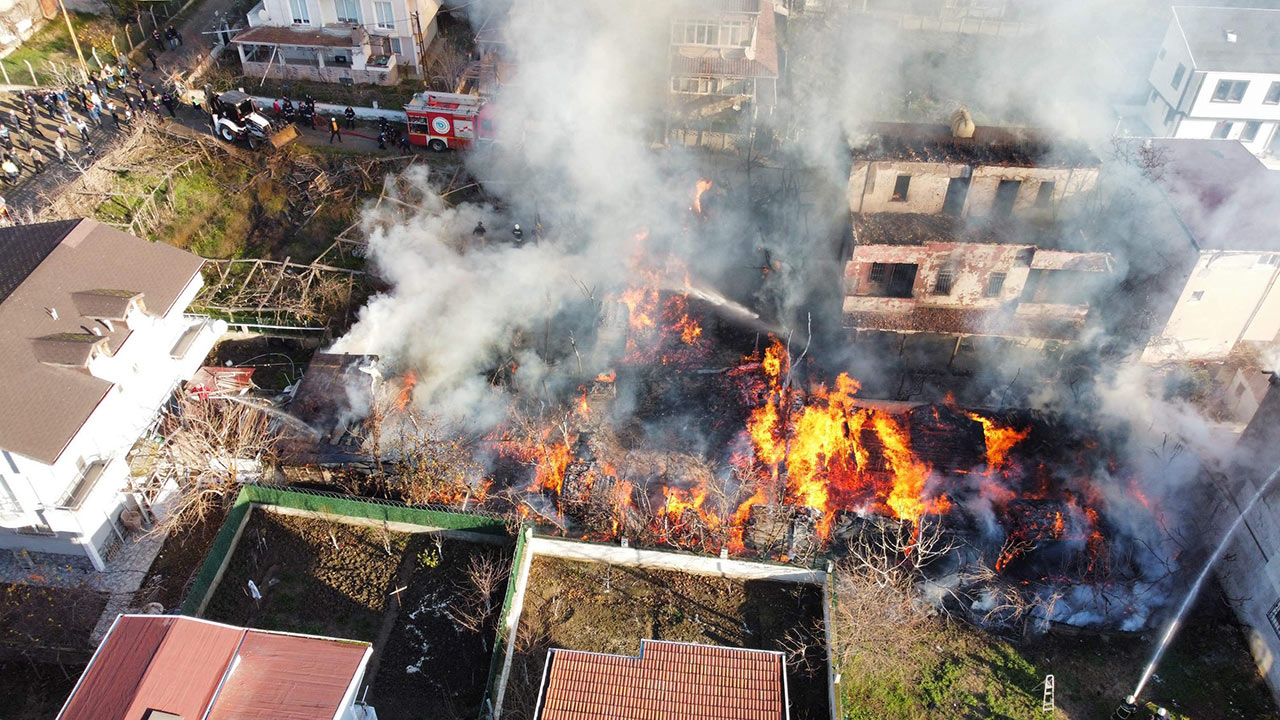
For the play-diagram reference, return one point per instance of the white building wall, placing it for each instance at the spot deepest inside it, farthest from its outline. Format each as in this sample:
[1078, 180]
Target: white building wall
[145, 374]
[324, 12]
[1173, 51]
[1228, 297]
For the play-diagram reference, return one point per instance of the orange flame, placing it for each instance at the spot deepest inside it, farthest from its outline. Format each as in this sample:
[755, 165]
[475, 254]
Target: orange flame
[407, 384]
[607, 377]
[702, 186]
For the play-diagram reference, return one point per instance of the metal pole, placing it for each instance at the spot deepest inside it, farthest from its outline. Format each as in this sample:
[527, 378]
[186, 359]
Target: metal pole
[84, 68]
[33, 73]
[5, 72]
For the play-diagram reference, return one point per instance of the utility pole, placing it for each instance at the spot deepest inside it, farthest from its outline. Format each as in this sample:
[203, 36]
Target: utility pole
[84, 68]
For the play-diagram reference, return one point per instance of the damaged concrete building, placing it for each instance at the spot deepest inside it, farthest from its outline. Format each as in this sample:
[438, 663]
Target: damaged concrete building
[958, 235]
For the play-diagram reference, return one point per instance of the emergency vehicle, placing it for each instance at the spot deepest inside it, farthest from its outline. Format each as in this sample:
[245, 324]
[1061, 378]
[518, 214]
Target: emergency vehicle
[441, 120]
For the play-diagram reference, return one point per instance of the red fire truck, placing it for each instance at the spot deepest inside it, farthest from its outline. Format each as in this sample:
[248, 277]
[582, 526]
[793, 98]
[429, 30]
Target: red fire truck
[443, 121]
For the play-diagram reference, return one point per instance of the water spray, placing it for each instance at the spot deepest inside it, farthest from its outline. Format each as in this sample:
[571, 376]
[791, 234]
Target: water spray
[1176, 622]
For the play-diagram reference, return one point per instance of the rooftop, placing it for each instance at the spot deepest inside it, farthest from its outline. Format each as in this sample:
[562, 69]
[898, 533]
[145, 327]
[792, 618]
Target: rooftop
[1208, 32]
[334, 398]
[193, 668]
[666, 680]
[926, 142]
[86, 273]
[343, 36]
[1220, 191]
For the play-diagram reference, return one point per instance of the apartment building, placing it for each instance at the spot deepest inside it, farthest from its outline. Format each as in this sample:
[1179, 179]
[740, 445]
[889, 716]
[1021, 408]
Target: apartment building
[723, 58]
[1217, 76]
[340, 41]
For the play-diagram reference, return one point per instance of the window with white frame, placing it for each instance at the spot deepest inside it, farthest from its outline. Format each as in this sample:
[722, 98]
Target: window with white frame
[709, 31]
[693, 85]
[301, 14]
[386, 19]
[348, 11]
[395, 45]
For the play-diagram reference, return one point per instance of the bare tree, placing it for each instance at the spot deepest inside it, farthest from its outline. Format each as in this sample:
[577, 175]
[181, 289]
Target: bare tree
[208, 446]
[484, 577]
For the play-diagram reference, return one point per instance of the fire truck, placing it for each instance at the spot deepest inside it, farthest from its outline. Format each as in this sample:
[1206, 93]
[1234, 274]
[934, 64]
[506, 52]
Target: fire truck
[448, 121]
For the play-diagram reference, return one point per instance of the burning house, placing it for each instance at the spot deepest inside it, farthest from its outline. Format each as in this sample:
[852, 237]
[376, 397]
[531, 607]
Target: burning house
[330, 409]
[954, 232]
[967, 171]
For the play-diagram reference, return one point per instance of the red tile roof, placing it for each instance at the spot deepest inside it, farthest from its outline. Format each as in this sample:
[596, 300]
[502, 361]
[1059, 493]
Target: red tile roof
[667, 681]
[189, 667]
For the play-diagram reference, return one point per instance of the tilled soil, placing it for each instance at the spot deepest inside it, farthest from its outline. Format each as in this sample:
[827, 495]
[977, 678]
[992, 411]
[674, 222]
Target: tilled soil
[434, 666]
[315, 576]
[603, 608]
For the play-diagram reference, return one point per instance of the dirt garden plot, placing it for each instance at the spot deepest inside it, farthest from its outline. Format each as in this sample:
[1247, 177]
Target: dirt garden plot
[442, 640]
[413, 595]
[316, 576]
[610, 608]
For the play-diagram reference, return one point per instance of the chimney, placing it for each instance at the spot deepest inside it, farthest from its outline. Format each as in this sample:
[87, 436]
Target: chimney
[962, 123]
[1231, 35]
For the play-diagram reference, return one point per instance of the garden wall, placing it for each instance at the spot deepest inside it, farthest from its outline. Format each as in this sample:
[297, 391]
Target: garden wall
[474, 526]
[529, 546]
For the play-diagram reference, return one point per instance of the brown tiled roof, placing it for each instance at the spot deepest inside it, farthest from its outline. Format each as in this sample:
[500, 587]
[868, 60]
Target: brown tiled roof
[667, 680]
[196, 669]
[343, 37]
[44, 406]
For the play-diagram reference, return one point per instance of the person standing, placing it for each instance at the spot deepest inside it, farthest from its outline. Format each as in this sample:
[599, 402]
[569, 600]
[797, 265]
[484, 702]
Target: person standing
[83, 128]
[95, 115]
[167, 99]
[152, 57]
[334, 130]
[4, 136]
[518, 235]
[382, 140]
[61, 148]
[115, 112]
[37, 159]
[88, 150]
[351, 118]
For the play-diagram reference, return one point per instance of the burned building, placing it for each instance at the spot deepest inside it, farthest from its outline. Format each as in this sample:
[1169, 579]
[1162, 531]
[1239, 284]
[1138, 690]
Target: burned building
[956, 232]
[994, 172]
[330, 408]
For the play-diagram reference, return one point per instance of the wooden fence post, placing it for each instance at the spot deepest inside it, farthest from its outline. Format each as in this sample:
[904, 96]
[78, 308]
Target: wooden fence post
[33, 73]
[5, 72]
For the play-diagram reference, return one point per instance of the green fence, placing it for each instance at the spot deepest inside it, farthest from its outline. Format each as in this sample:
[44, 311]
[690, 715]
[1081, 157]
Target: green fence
[501, 643]
[332, 504]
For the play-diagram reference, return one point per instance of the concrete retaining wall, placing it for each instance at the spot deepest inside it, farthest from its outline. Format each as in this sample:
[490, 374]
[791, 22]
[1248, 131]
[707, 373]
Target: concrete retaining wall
[661, 560]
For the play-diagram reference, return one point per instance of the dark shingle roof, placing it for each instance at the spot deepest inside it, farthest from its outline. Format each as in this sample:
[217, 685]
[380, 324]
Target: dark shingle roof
[23, 247]
[1257, 38]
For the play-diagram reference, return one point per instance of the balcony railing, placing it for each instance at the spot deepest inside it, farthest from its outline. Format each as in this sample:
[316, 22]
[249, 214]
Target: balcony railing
[83, 486]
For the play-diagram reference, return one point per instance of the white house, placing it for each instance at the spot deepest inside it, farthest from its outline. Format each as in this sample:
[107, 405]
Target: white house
[94, 337]
[1217, 75]
[351, 41]
[1222, 238]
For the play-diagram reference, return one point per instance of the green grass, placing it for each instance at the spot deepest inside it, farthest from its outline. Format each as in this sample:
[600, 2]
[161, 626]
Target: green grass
[52, 43]
[959, 672]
